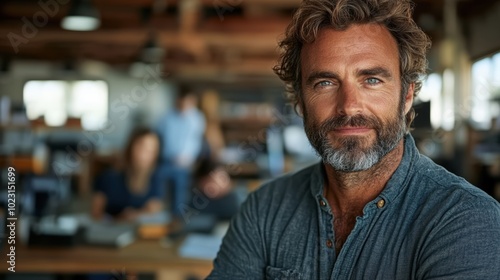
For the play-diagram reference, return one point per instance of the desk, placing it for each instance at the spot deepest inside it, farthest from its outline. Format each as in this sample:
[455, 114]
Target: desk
[143, 256]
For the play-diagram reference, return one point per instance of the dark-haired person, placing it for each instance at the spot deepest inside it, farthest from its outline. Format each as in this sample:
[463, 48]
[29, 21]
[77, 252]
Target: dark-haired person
[181, 133]
[213, 191]
[374, 208]
[138, 188]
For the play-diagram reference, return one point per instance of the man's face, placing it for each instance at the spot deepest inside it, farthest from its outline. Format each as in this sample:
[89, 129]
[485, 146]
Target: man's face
[186, 102]
[351, 96]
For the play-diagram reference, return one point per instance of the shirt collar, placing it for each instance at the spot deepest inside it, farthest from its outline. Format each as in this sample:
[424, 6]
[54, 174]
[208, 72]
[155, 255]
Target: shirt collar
[399, 179]
[394, 186]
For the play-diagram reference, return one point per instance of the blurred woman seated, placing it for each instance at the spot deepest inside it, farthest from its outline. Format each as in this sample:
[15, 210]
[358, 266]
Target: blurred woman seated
[138, 188]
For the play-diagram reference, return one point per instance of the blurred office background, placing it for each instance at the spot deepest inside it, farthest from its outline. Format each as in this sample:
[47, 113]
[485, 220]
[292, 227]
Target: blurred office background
[69, 99]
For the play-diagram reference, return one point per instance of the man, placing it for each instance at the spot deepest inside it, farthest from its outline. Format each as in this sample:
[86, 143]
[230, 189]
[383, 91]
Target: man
[182, 130]
[181, 133]
[374, 208]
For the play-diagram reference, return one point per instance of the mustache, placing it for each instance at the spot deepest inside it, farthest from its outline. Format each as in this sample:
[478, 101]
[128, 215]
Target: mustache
[350, 121]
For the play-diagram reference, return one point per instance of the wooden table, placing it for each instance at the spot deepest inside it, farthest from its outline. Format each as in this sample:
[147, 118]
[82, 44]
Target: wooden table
[143, 256]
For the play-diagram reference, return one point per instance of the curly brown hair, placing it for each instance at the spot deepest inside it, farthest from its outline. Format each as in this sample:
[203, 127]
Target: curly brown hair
[395, 15]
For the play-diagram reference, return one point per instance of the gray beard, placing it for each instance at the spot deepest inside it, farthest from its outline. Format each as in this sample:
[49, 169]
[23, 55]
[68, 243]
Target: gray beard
[351, 156]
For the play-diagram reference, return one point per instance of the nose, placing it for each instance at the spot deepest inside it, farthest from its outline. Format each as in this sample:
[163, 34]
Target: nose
[348, 100]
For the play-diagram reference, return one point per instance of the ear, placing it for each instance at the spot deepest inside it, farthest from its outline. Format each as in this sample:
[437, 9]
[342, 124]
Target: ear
[409, 98]
[299, 108]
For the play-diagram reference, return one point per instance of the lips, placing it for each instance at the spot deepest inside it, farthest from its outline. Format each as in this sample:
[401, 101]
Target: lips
[346, 125]
[352, 130]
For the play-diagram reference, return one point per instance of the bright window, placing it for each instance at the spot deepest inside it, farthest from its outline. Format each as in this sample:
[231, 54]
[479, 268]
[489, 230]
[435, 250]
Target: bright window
[56, 101]
[432, 91]
[485, 87]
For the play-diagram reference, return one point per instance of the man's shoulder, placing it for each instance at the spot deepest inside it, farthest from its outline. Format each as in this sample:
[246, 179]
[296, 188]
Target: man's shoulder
[444, 186]
[164, 119]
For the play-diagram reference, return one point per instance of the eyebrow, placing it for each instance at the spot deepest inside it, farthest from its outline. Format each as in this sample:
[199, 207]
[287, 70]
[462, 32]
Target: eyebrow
[377, 71]
[321, 75]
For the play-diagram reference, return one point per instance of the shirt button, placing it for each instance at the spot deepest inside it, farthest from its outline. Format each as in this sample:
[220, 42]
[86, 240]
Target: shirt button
[329, 243]
[381, 203]
[322, 202]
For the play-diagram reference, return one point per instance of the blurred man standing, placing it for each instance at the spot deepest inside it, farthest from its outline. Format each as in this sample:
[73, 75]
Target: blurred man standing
[181, 132]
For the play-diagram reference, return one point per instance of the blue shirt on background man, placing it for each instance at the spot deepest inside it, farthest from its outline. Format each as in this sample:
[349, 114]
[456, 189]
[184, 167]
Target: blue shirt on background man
[181, 133]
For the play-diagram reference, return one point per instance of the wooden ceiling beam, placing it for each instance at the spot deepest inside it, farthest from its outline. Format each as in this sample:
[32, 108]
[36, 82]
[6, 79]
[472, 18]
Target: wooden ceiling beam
[217, 71]
[234, 24]
[19, 10]
[264, 3]
[265, 42]
[125, 3]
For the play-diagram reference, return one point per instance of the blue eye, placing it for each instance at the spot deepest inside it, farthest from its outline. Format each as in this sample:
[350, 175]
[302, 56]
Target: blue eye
[373, 81]
[324, 83]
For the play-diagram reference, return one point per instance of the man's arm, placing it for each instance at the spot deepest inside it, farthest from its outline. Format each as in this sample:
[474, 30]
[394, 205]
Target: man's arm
[242, 253]
[466, 246]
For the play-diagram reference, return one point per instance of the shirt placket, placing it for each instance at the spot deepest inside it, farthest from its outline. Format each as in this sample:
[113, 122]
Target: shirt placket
[327, 238]
[350, 250]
